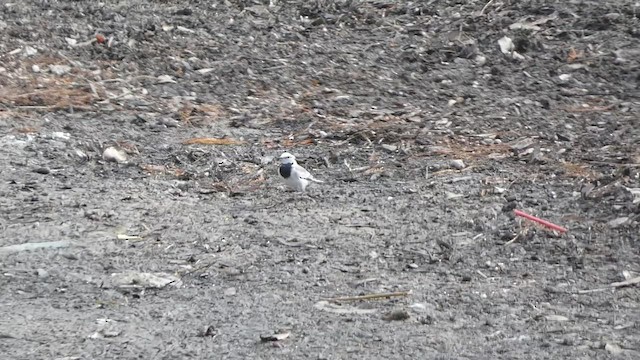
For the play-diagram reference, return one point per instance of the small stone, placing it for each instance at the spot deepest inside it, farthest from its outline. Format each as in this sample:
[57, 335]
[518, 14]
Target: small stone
[168, 122]
[613, 348]
[35, 68]
[396, 315]
[564, 77]
[266, 160]
[457, 164]
[42, 170]
[412, 266]
[230, 291]
[114, 155]
[60, 135]
[42, 273]
[59, 69]
[450, 195]
[165, 79]
[480, 60]
[506, 45]
[29, 51]
[618, 222]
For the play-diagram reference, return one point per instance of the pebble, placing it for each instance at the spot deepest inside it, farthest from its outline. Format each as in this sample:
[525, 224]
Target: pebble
[165, 79]
[60, 135]
[29, 51]
[168, 122]
[613, 348]
[114, 155]
[59, 69]
[396, 315]
[266, 160]
[230, 291]
[42, 273]
[42, 170]
[618, 222]
[457, 164]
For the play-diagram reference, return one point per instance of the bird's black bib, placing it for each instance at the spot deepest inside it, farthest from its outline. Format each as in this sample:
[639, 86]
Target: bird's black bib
[285, 170]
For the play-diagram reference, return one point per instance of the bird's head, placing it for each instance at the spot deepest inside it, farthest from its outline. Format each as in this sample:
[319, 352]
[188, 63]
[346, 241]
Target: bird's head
[287, 158]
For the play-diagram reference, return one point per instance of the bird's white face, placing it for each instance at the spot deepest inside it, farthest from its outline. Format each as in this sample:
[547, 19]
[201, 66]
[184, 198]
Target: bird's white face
[287, 158]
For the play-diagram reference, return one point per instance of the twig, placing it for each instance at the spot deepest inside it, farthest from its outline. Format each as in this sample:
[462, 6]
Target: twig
[632, 281]
[612, 163]
[370, 296]
[615, 285]
[482, 274]
[485, 7]
[512, 240]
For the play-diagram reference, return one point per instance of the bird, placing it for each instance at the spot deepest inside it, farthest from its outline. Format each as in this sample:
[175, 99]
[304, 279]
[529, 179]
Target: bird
[294, 175]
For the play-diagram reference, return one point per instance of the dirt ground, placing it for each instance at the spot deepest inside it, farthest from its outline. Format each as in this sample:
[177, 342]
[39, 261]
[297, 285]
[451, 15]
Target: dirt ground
[427, 134]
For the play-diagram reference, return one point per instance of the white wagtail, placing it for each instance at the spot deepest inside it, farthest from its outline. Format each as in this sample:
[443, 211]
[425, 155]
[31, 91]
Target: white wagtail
[294, 175]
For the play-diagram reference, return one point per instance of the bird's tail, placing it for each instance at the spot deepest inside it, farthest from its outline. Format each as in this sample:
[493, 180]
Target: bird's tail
[315, 180]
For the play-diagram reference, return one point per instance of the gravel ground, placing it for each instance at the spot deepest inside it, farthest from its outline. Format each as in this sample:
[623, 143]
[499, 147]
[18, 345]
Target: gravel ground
[142, 215]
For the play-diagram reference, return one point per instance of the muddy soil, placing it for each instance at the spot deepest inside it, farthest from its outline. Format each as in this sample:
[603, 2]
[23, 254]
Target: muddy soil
[427, 134]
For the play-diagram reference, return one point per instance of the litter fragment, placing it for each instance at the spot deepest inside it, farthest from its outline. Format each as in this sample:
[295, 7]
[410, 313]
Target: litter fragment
[540, 221]
[556, 318]
[274, 337]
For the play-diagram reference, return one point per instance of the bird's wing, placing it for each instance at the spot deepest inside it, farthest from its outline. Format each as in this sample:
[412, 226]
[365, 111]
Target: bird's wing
[303, 173]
